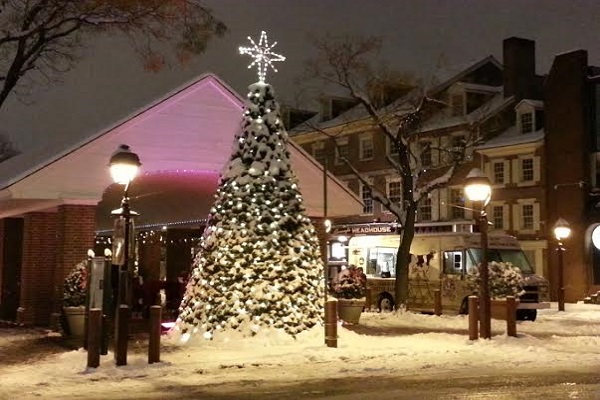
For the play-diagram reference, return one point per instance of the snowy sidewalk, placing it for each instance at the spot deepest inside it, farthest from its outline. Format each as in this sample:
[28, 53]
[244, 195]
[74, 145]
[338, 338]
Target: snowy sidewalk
[556, 341]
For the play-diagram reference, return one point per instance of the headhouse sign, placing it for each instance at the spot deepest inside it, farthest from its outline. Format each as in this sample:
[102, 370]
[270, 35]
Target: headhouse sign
[365, 229]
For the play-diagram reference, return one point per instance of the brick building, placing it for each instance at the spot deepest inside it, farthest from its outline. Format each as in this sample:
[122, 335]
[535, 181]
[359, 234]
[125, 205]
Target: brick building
[572, 145]
[503, 101]
[53, 203]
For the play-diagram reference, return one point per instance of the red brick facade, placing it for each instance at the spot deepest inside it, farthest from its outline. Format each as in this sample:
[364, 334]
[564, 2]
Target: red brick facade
[53, 243]
[39, 260]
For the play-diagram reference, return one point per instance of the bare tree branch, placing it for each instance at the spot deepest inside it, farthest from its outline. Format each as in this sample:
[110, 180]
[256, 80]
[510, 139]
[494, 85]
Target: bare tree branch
[45, 35]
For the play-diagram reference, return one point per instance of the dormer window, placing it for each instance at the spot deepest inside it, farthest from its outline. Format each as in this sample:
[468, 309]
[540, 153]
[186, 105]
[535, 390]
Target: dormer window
[530, 116]
[526, 122]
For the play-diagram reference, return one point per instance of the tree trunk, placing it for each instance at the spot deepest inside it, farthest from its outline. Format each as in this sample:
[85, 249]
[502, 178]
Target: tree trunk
[403, 257]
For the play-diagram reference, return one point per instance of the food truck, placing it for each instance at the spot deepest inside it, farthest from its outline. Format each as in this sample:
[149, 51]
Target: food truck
[442, 254]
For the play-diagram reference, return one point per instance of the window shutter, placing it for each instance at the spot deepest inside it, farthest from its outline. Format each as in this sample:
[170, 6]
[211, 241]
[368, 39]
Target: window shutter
[536, 169]
[435, 205]
[507, 172]
[487, 170]
[536, 216]
[516, 171]
[443, 155]
[443, 201]
[516, 217]
[506, 217]
[435, 153]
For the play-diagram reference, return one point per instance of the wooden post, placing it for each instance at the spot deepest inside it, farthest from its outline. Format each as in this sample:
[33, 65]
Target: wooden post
[105, 335]
[473, 318]
[94, 330]
[511, 316]
[121, 335]
[331, 323]
[437, 302]
[154, 342]
[368, 299]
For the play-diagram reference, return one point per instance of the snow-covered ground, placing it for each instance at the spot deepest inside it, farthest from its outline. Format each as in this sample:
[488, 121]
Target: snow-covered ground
[387, 344]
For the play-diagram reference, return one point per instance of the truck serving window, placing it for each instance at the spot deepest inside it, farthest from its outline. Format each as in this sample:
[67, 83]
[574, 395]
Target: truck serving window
[453, 262]
[516, 257]
[381, 262]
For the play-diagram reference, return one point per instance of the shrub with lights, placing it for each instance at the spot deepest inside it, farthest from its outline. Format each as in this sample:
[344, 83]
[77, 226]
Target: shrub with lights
[351, 283]
[75, 286]
[259, 265]
[504, 279]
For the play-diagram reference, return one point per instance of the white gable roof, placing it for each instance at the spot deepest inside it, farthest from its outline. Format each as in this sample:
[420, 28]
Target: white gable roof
[191, 128]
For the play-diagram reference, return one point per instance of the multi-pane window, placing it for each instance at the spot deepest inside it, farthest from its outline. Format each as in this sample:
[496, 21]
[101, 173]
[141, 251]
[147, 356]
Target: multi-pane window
[498, 217]
[367, 198]
[342, 149]
[527, 170]
[527, 216]
[394, 191]
[425, 150]
[498, 173]
[457, 104]
[366, 146]
[456, 204]
[424, 210]
[318, 151]
[526, 122]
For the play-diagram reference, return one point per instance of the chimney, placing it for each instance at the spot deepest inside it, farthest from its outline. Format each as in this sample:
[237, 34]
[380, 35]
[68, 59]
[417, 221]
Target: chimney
[519, 68]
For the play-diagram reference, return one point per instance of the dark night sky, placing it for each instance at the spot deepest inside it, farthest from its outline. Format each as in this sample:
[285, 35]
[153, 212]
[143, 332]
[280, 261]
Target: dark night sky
[109, 82]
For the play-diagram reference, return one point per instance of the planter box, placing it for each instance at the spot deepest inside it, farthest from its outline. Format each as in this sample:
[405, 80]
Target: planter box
[349, 310]
[498, 308]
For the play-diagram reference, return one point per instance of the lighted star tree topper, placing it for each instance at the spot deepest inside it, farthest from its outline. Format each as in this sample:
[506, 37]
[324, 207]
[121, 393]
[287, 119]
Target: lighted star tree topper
[262, 55]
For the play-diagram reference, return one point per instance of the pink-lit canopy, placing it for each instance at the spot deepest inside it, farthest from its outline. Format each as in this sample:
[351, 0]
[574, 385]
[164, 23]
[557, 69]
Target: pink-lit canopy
[190, 130]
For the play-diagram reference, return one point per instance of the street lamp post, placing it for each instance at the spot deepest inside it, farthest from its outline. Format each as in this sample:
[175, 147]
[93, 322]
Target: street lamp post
[562, 230]
[124, 165]
[479, 191]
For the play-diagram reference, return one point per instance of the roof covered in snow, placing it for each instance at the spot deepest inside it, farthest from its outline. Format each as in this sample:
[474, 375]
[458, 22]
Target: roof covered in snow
[190, 129]
[444, 79]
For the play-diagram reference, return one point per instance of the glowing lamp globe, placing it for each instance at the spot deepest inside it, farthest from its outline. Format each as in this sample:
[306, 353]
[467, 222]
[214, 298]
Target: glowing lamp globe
[124, 165]
[477, 186]
[561, 229]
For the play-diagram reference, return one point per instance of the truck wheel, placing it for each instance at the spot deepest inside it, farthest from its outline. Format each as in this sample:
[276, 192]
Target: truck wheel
[526, 315]
[464, 307]
[385, 303]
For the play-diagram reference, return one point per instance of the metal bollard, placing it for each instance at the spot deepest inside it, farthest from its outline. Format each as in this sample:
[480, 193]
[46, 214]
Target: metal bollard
[154, 342]
[473, 317]
[331, 323]
[94, 330]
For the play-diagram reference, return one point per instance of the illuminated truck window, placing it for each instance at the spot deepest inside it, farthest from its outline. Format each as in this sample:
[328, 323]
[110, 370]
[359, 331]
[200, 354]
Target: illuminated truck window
[514, 256]
[381, 262]
[453, 262]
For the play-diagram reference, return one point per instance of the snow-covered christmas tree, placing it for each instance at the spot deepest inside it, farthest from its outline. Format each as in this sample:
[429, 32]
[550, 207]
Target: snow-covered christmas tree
[259, 265]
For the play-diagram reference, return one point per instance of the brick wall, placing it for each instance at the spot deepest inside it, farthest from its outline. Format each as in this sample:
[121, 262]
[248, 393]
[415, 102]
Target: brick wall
[149, 253]
[74, 237]
[37, 272]
[567, 147]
